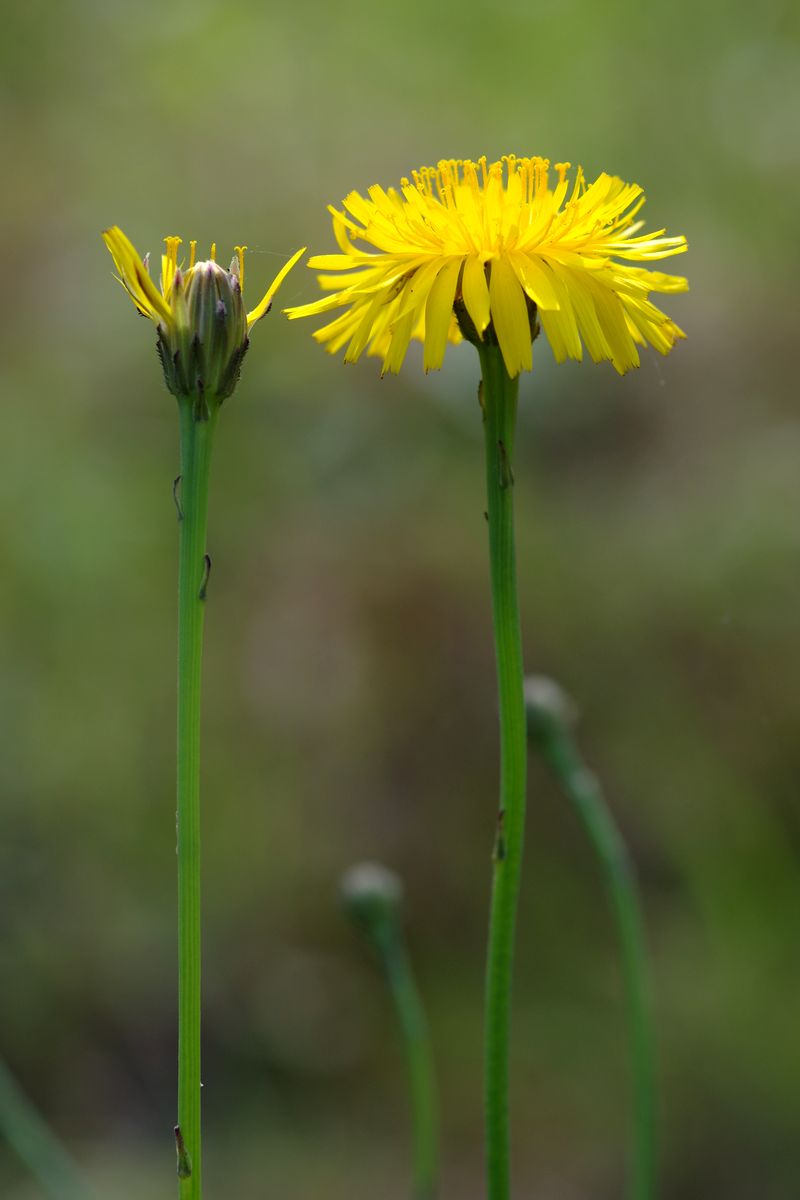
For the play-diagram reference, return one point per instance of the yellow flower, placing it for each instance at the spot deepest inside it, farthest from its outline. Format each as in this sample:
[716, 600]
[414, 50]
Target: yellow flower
[203, 328]
[485, 251]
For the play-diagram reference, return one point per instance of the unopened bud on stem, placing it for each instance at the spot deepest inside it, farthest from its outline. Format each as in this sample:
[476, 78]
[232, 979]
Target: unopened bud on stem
[372, 896]
[203, 326]
[202, 348]
[548, 708]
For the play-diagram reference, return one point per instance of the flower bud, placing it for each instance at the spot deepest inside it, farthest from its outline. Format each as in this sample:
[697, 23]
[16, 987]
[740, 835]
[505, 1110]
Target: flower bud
[548, 708]
[202, 348]
[203, 326]
[372, 897]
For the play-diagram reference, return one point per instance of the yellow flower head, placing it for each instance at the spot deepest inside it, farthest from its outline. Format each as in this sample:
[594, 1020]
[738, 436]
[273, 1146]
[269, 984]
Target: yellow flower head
[203, 328]
[485, 250]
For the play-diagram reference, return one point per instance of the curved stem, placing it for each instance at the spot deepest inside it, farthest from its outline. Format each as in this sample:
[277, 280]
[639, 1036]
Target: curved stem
[196, 443]
[499, 400]
[419, 1060]
[585, 794]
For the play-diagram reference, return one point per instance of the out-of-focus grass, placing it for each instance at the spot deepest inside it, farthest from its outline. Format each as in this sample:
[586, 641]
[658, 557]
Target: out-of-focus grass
[349, 679]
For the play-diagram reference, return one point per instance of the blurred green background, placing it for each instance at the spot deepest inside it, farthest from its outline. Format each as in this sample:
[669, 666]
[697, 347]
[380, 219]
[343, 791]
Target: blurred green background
[349, 706]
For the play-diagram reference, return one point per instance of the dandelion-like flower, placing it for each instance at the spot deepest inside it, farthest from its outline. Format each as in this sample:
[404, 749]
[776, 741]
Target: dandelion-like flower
[486, 251]
[203, 327]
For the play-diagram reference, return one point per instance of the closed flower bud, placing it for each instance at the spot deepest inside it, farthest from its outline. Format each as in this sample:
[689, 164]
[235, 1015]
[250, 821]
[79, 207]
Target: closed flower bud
[202, 349]
[548, 708]
[372, 897]
[203, 326]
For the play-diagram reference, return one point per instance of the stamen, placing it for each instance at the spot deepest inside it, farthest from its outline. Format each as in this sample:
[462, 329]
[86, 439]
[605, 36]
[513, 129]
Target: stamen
[213, 253]
[444, 182]
[192, 253]
[240, 255]
[471, 177]
[172, 244]
[169, 264]
[422, 180]
[579, 186]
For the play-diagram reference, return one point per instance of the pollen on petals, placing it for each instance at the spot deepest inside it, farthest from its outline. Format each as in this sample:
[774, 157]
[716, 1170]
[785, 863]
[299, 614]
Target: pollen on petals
[509, 241]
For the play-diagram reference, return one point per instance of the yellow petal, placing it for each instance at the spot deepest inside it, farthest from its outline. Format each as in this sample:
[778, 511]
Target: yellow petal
[510, 317]
[401, 336]
[475, 291]
[325, 304]
[536, 278]
[339, 262]
[416, 291]
[338, 332]
[363, 332]
[134, 276]
[586, 316]
[563, 321]
[611, 317]
[439, 312]
[358, 207]
[258, 312]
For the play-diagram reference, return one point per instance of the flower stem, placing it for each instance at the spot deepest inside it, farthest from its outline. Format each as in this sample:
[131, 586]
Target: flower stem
[499, 401]
[196, 443]
[419, 1060]
[561, 752]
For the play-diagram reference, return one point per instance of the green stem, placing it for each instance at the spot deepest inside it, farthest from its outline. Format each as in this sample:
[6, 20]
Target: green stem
[196, 443]
[499, 399]
[584, 792]
[416, 1042]
[36, 1145]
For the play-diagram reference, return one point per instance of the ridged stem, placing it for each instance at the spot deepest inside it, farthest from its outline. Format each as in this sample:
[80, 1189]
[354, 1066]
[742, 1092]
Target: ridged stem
[499, 401]
[196, 444]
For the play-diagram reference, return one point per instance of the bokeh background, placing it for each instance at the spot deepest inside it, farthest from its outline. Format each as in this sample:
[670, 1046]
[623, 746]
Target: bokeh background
[349, 705]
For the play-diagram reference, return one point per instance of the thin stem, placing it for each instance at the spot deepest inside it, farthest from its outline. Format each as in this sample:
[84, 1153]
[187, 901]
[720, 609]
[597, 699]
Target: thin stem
[499, 399]
[196, 442]
[419, 1060]
[584, 792]
[36, 1145]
